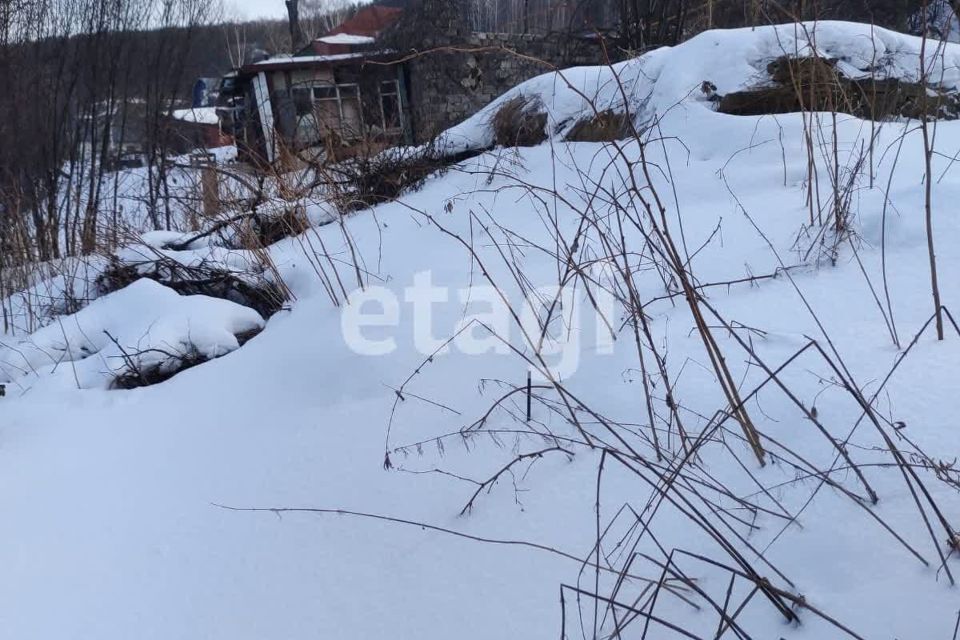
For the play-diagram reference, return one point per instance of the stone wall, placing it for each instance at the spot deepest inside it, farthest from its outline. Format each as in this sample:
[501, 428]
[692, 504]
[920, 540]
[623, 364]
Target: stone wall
[444, 87]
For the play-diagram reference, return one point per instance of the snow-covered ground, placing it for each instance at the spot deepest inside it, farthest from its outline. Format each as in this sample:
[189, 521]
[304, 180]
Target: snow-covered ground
[113, 521]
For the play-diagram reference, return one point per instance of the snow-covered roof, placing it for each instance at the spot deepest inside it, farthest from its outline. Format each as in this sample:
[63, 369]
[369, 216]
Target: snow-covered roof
[199, 115]
[346, 38]
[287, 59]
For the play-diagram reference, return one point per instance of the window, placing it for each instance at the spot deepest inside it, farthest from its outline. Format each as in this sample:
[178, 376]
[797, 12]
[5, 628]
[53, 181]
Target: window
[303, 101]
[325, 93]
[390, 105]
[337, 109]
[351, 120]
[326, 111]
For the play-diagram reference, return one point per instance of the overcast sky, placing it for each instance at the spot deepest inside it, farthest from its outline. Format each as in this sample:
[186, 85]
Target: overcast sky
[256, 8]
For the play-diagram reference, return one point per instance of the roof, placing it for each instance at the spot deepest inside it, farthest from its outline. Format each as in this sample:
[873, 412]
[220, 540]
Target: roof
[198, 115]
[369, 21]
[347, 38]
[278, 63]
[360, 31]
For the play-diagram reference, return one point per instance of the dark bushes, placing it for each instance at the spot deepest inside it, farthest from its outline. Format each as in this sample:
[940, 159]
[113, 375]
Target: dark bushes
[270, 228]
[368, 181]
[605, 126]
[261, 295]
[137, 374]
[520, 122]
[815, 84]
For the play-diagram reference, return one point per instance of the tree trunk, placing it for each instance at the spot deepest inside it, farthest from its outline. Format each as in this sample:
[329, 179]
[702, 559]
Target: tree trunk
[296, 33]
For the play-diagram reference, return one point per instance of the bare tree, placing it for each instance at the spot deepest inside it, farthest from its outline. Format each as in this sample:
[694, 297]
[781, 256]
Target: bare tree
[297, 40]
[320, 16]
[928, 150]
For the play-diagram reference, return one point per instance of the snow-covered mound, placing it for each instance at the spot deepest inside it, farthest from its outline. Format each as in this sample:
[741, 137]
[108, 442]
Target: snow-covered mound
[142, 329]
[671, 79]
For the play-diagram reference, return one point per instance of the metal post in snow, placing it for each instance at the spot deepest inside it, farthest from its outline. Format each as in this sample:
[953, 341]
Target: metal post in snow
[529, 394]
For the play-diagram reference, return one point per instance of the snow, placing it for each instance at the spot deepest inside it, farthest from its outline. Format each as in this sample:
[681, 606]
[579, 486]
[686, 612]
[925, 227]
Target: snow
[141, 325]
[198, 115]
[290, 59]
[669, 79]
[347, 38]
[46, 289]
[109, 498]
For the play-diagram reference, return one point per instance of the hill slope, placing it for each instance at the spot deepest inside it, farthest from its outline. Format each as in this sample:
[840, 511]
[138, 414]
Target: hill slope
[114, 521]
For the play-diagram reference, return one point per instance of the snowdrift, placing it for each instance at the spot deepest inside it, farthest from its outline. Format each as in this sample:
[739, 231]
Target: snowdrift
[110, 499]
[694, 74]
[143, 330]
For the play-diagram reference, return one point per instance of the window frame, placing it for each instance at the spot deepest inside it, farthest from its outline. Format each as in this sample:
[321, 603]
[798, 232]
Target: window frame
[338, 97]
[395, 93]
[337, 93]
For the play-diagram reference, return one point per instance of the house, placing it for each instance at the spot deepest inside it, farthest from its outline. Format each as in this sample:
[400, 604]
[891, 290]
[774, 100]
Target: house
[196, 128]
[338, 91]
[384, 77]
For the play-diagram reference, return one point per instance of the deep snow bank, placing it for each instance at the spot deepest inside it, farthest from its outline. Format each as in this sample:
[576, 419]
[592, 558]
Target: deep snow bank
[142, 327]
[672, 78]
[106, 496]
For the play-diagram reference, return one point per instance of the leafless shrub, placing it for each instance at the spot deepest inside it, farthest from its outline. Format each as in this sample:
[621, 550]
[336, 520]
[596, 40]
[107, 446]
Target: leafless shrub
[929, 135]
[369, 180]
[814, 84]
[153, 366]
[606, 126]
[266, 229]
[138, 374]
[624, 223]
[520, 122]
[252, 290]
